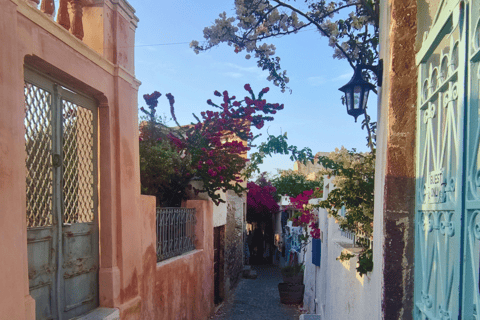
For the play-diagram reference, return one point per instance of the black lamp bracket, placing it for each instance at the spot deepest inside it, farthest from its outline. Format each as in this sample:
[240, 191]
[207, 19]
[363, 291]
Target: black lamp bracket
[377, 70]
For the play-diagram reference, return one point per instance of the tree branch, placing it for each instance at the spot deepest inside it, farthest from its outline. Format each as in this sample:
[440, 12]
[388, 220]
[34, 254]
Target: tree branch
[319, 28]
[283, 33]
[260, 21]
[371, 11]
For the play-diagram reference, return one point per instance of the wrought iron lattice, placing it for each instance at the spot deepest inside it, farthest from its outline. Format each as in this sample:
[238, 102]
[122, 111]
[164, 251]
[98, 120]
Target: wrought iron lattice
[38, 146]
[78, 168]
[175, 232]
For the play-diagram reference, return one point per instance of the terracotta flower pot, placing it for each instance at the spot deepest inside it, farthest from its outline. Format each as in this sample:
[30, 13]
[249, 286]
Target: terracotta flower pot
[291, 293]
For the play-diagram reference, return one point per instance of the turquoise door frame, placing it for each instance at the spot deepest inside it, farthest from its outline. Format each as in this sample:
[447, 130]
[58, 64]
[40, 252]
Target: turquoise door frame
[447, 222]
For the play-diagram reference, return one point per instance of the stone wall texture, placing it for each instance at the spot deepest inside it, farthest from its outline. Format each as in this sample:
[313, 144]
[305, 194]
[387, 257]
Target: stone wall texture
[395, 170]
[234, 239]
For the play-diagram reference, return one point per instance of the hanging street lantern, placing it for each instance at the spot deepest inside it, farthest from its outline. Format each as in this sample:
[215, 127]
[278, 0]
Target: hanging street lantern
[357, 89]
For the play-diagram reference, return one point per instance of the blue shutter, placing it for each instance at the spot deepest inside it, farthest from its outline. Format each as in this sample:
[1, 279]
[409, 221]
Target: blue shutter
[316, 251]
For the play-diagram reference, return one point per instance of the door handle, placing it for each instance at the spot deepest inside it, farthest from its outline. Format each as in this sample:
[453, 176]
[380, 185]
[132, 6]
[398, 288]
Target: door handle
[56, 160]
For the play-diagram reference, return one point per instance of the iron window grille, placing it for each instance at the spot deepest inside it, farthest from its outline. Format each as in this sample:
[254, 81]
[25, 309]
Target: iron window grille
[175, 232]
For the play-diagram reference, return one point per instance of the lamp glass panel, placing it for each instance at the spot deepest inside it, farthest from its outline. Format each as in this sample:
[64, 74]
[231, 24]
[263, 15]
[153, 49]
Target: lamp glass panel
[357, 95]
[365, 99]
[348, 97]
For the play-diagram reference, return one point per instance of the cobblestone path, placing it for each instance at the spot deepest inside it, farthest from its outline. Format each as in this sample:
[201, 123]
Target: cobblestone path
[257, 299]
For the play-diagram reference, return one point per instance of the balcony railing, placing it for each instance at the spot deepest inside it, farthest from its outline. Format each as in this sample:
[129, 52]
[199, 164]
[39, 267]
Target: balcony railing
[69, 14]
[175, 232]
[359, 238]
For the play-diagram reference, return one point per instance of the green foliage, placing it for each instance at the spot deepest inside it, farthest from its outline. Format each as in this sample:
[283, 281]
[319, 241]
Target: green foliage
[354, 191]
[292, 183]
[365, 262]
[165, 173]
[345, 256]
[277, 145]
[292, 270]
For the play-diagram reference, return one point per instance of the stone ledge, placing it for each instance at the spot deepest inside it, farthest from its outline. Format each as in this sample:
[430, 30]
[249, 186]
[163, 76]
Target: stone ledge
[348, 246]
[101, 314]
[310, 317]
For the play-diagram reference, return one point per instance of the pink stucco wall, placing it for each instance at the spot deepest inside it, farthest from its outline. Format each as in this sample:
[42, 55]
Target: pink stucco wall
[180, 287]
[184, 285]
[101, 66]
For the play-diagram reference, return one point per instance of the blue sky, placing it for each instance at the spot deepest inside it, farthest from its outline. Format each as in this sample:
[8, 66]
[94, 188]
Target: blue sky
[313, 116]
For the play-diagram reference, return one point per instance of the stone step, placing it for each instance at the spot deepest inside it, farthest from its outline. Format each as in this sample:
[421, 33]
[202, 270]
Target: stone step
[252, 274]
[101, 314]
[310, 317]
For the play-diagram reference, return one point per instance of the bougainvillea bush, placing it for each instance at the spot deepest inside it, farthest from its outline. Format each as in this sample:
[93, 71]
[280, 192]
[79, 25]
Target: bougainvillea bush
[305, 216]
[261, 202]
[212, 150]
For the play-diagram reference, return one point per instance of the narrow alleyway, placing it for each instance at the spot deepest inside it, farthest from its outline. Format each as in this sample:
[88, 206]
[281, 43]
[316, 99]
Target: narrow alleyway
[257, 299]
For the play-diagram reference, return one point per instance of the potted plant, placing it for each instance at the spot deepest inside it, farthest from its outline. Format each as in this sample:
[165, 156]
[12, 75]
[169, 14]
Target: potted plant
[292, 288]
[293, 274]
[291, 293]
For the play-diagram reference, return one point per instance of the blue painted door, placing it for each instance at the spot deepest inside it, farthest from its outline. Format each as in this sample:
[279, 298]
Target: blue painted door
[62, 228]
[447, 223]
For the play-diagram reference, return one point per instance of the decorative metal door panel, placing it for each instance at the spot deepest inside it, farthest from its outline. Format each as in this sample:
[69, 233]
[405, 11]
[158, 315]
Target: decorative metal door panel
[471, 300]
[440, 157]
[61, 199]
[447, 236]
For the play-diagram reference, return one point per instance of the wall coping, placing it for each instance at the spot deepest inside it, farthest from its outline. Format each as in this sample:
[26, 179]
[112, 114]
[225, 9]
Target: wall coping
[182, 256]
[347, 246]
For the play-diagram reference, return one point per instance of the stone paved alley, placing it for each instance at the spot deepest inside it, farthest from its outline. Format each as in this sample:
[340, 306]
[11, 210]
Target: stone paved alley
[257, 299]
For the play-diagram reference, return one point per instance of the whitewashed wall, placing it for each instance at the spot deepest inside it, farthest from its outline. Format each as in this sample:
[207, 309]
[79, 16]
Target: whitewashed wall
[219, 212]
[335, 290]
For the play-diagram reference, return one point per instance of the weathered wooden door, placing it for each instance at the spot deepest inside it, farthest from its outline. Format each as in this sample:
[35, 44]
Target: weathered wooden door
[62, 228]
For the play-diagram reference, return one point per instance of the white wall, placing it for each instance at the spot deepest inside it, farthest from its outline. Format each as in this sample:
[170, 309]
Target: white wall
[335, 290]
[219, 212]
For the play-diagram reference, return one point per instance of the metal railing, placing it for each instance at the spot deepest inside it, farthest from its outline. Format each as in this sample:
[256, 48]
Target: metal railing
[175, 232]
[357, 238]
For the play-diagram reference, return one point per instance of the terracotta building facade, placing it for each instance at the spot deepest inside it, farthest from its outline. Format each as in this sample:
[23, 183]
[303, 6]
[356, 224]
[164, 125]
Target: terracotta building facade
[76, 233]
